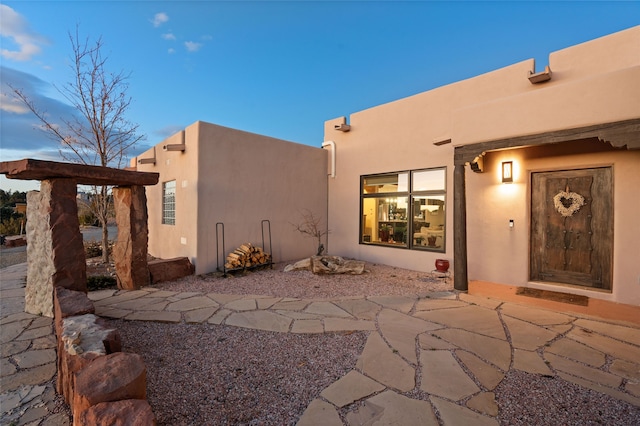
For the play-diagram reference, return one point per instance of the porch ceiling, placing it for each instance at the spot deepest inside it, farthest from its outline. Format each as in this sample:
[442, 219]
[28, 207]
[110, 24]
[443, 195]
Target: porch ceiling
[619, 134]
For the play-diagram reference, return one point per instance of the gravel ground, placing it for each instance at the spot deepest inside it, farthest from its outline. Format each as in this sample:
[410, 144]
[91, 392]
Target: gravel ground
[12, 256]
[206, 374]
[378, 280]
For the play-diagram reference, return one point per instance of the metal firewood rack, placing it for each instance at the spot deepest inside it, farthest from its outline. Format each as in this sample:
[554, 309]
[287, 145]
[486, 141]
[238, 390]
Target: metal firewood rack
[265, 226]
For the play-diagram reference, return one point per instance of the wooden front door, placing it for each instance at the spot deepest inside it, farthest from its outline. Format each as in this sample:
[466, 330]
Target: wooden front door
[572, 227]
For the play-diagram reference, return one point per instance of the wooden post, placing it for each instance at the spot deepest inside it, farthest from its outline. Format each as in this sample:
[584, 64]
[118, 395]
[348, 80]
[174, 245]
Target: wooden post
[460, 277]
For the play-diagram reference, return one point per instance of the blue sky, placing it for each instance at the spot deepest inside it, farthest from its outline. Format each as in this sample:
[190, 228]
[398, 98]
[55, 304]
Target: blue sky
[274, 68]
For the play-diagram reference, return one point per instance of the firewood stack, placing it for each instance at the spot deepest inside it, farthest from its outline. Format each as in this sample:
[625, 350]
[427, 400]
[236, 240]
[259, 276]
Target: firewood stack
[247, 256]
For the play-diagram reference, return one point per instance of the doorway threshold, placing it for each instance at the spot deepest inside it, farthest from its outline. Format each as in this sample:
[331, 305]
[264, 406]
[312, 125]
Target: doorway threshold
[555, 296]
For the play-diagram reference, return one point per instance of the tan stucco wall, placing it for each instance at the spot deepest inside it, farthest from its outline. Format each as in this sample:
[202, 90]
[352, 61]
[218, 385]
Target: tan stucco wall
[169, 241]
[238, 179]
[593, 83]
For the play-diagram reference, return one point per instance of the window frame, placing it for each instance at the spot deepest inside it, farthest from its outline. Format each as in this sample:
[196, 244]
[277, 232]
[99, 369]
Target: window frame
[169, 204]
[411, 196]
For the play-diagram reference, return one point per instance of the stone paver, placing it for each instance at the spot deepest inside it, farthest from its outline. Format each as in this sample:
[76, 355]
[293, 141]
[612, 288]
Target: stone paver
[530, 362]
[527, 336]
[360, 308]
[534, 315]
[192, 303]
[456, 341]
[162, 316]
[619, 332]
[307, 326]
[484, 402]
[431, 342]
[580, 370]
[487, 375]
[453, 414]
[472, 318]
[350, 388]
[346, 324]
[320, 413]
[606, 344]
[571, 349]
[496, 351]
[401, 331]
[433, 304]
[379, 362]
[242, 305]
[397, 303]
[443, 376]
[198, 316]
[390, 408]
[260, 320]
[327, 309]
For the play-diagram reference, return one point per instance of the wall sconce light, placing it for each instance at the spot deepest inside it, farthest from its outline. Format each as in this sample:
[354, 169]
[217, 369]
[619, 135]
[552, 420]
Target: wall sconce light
[507, 171]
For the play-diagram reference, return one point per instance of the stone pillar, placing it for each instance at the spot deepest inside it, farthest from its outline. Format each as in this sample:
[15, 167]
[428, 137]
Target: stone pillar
[55, 250]
[130, 251]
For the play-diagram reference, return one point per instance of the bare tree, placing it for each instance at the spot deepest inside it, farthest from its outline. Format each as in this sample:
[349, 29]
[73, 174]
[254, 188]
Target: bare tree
[99, 134]
[311, 226]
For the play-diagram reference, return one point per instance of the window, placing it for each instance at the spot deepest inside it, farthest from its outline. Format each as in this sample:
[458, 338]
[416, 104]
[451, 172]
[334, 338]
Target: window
[404, 209]
[169, 203]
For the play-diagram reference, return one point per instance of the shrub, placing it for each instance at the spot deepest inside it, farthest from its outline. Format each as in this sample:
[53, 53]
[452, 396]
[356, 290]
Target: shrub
[100, 282]
[94, 249]
[12, 226]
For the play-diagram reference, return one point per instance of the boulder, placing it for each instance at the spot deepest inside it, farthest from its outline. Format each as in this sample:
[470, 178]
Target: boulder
[69, 303]
[128, 412]
[170, 269]
[109, 378]
[81, 339]
[328, 265]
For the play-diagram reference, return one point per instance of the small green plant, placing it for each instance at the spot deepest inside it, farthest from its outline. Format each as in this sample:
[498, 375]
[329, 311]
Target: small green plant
[100, 282]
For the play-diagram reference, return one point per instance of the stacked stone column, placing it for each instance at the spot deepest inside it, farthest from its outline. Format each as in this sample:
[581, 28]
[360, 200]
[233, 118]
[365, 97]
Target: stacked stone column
[130, 251]
[55, 252]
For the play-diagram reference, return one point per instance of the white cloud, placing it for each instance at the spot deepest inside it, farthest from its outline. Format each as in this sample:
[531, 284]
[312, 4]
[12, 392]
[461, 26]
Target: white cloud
[171, 51]
[159, 19]
[192, 46]
[12, 104]
[14, 26]
[169, 36]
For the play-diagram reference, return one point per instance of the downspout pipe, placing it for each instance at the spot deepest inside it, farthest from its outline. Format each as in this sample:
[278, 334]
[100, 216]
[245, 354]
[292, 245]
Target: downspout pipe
[331, 144]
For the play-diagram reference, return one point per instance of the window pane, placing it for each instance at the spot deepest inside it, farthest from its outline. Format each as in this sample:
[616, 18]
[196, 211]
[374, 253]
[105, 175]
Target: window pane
[396, 182]
[394, 213]
[429, 222]
[384, 220]
[169, 203]
[429, 180]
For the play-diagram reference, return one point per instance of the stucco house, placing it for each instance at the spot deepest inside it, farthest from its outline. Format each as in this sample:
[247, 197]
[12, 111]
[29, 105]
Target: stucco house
[220, 185]
[526, 180]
